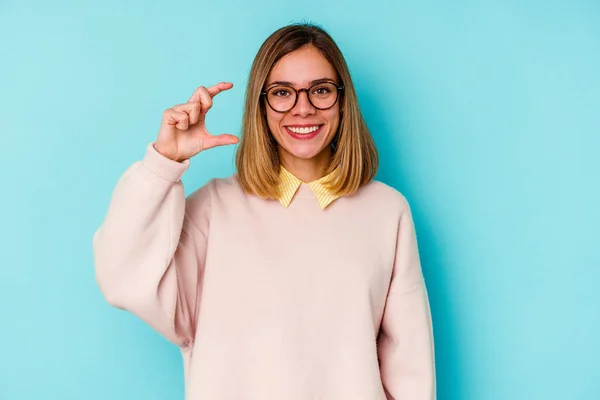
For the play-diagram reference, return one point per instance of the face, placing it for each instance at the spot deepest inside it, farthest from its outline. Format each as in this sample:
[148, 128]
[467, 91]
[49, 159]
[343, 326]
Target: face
[293, 130]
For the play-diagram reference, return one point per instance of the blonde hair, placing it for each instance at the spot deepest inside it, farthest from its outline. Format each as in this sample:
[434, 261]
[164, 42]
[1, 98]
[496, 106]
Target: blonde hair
[354, 157]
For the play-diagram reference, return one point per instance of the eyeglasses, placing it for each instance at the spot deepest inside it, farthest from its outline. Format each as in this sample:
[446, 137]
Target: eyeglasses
[321, 96]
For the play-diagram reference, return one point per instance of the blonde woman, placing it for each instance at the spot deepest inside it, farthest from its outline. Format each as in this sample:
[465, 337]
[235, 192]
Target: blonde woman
[298, 278]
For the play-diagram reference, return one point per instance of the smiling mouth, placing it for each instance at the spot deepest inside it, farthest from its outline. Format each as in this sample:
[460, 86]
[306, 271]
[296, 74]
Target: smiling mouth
[303, 130]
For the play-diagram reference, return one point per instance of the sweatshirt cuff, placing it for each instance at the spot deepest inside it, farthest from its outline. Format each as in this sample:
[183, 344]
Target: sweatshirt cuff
[162, 166]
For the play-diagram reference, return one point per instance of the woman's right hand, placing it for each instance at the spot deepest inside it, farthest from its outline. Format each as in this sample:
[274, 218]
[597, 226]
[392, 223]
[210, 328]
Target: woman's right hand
[183, 132]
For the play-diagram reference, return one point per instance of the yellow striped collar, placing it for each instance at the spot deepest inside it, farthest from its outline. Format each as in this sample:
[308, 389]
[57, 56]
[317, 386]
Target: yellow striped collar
[289, 184]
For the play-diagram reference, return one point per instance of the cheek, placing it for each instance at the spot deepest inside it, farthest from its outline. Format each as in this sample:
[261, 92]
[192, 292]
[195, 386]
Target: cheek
[333, 118]
[273, 120]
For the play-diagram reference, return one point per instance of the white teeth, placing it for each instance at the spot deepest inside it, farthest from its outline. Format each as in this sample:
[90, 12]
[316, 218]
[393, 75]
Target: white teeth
[305, 130]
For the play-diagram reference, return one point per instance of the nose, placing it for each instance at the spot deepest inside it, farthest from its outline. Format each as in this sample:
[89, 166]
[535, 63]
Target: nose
[303, 106]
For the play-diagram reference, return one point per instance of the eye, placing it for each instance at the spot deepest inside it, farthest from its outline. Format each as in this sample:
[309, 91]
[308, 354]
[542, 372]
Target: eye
[280, 92]
[323, 90]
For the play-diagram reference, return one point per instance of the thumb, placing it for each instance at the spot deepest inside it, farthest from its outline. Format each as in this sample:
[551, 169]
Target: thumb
[220, 140]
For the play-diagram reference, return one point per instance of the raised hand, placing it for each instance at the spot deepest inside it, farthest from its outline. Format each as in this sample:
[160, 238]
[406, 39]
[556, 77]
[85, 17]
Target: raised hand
[183, 132]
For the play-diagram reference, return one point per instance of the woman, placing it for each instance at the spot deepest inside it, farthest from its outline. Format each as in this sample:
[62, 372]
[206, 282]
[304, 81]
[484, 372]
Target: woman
[296, 278]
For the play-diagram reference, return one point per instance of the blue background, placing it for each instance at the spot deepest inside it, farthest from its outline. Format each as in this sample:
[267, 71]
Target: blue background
[487, 117]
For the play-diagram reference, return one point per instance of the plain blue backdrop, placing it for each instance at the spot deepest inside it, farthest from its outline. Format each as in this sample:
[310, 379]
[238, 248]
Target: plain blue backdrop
[487, 118]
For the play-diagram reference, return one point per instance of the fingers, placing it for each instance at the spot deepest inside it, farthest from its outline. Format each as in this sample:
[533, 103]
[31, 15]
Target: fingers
[220, 140]
[197, 107]
[192, 109]
[201, 101]
[179, 119]
[219, 87]
[213, 90]
[205, 99]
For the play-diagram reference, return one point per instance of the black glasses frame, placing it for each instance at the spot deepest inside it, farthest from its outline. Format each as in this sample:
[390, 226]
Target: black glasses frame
[340, 89]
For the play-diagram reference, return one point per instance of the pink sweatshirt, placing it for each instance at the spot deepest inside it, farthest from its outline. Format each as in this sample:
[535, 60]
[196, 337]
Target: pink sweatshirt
[268, 302]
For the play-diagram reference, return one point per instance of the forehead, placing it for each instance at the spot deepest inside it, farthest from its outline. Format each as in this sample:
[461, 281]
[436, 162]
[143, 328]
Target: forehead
[302, 66]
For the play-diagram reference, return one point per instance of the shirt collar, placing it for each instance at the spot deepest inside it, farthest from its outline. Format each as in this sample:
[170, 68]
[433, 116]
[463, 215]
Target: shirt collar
[289, 184]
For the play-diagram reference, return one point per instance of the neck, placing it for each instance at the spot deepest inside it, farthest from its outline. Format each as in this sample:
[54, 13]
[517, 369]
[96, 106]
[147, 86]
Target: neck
[306, 169]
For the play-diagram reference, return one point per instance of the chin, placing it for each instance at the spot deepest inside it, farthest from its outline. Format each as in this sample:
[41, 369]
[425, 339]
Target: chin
[303, 153]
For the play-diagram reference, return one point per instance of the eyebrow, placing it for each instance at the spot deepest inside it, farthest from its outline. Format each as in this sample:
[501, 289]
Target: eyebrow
[287, 83]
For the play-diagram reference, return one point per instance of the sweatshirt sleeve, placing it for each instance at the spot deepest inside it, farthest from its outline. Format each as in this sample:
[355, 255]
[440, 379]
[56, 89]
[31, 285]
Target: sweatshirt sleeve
[405, 341]
[149, 251]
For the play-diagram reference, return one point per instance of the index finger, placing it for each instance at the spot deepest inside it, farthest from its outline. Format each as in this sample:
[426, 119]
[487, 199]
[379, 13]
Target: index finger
[213, 90]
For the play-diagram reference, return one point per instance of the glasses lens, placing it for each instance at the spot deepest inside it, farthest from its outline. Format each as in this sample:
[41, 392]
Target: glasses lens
[323, 95]
[281, 98]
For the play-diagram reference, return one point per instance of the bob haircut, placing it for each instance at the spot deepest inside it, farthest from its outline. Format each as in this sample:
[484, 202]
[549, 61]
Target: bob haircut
[354, 157]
